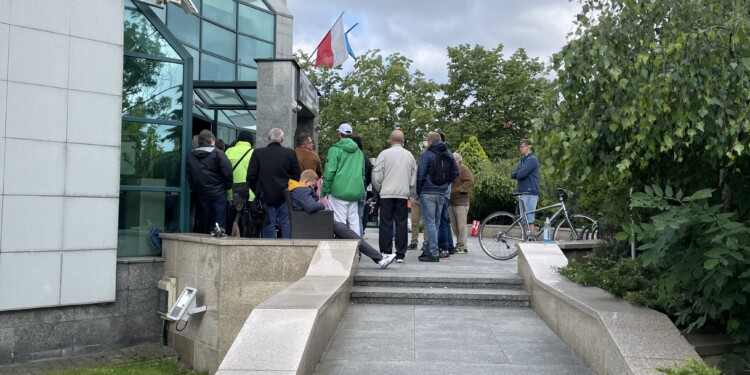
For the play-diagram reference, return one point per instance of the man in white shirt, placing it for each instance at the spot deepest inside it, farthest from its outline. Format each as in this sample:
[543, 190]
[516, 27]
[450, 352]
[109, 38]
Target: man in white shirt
[393, 177]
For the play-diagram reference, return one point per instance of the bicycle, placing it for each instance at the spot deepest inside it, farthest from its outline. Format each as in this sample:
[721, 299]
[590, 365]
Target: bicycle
[500, 231]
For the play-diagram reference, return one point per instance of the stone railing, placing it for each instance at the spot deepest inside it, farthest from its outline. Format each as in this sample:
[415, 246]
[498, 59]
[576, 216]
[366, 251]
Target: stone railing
[610, 334]
[288, 333]
[234, 276]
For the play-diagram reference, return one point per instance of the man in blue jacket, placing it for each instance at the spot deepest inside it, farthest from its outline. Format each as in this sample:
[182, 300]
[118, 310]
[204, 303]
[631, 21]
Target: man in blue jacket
[527, 174]
[431, 194]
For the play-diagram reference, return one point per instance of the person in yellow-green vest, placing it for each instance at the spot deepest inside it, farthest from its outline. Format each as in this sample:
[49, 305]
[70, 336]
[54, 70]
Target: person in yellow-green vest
[239, 156]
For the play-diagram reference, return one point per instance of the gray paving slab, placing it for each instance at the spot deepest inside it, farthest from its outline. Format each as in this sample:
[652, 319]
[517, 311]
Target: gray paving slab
[446, 340]
[436, 339]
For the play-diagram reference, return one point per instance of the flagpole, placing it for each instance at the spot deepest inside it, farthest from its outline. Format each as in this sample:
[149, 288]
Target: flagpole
[350, 29]
[321, 42]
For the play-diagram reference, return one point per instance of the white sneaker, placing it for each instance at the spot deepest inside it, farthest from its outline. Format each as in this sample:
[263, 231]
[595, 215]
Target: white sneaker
[399, 261]
[387, 260]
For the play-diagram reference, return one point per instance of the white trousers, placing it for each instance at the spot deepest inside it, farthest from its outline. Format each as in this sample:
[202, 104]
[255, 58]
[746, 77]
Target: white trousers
[345, 212]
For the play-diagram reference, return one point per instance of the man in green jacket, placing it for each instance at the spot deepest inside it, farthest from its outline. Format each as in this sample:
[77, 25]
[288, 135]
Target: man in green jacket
[239, 156]
[342, 179]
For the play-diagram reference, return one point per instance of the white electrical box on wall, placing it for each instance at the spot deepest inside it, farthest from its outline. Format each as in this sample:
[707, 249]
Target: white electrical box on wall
[167, 293]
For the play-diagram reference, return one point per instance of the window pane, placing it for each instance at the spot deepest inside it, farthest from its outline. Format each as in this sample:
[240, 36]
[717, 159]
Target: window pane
[248, 74]
[196, 61]
[161, 13]
[256, 23]
[141, 36]
[186, 27]
[140, 212]
[257, 3]
[228, 135]
[152, 89]
[150, 155]
[218, 40]
[250, 49]
[216, 69]
[221, 11]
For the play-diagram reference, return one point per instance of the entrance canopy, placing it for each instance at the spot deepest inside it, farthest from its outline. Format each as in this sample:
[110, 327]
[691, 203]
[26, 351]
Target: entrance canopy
[232, 104]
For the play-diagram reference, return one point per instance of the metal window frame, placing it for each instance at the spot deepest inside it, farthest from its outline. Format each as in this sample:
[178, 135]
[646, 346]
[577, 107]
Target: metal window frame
[187, 113]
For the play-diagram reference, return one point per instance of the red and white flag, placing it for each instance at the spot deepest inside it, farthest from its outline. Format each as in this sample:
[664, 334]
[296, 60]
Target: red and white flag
[332, 51]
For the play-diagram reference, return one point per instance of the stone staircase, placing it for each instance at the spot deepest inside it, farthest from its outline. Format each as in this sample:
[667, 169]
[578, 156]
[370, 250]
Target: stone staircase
[452, 289]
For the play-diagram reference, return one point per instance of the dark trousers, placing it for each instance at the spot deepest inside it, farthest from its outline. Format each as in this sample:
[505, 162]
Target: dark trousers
[344, 232]
[215, 212]
[393, 209]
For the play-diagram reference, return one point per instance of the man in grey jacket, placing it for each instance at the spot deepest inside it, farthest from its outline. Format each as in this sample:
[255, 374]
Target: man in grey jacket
[393, 177]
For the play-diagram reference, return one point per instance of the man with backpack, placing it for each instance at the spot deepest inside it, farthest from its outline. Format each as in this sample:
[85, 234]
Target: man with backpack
[239, 155]
[437, 169]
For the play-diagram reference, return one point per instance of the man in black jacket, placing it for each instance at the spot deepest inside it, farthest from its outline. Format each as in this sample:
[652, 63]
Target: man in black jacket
[270, 170]
[209, 174]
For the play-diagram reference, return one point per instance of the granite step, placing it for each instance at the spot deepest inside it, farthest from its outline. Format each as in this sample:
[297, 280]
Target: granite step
[392, 295]
[506, 281]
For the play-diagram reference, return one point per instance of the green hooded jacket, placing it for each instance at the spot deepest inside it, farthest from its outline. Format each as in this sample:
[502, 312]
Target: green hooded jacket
[344, 173]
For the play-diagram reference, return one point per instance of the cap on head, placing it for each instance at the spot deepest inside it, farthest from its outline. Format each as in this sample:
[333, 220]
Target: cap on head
[245, 136]
[345, 129]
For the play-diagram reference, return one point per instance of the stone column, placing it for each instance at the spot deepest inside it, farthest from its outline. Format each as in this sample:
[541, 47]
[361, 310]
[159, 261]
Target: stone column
[277, 98]
[286, 100]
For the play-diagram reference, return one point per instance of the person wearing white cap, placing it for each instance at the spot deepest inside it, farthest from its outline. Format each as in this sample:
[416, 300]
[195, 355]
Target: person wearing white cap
[342, 179]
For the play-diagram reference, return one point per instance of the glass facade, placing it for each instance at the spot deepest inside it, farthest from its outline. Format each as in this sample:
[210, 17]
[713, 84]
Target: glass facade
[223, 40]
[225, 37]
[152, 143]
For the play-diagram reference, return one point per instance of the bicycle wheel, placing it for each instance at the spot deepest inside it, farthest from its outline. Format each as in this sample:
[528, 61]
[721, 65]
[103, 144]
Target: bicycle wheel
[498, 235]
[584, 228]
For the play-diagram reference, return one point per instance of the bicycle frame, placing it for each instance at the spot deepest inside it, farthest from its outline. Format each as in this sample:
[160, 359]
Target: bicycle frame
[524, 221]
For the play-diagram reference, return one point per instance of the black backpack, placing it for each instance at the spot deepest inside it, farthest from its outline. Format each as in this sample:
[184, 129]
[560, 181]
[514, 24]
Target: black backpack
[441, 169]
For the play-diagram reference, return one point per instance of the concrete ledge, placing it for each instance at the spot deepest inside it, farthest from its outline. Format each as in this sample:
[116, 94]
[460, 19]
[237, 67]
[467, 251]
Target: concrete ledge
[610, 334]
[578, 250]
[288, 333]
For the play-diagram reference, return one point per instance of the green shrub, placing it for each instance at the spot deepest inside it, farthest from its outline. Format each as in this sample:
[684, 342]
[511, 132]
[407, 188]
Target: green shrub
[492, 189]
[472, 152]
[706, 255]
[691, 367]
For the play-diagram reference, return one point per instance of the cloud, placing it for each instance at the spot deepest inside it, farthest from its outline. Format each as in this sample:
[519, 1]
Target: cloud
[422, 31]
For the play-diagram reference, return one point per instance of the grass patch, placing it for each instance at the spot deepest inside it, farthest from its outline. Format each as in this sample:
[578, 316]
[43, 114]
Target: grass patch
[165, 367]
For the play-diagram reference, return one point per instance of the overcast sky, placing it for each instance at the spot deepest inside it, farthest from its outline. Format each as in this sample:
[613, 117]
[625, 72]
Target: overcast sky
[421, 30]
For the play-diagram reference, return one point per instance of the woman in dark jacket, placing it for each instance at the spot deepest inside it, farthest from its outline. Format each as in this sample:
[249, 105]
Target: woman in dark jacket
[209, 174]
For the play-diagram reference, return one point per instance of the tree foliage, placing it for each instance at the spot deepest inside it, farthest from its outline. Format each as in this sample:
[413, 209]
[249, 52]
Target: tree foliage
[380, 95]
[647, 90]
[472, 152]
[492, 98]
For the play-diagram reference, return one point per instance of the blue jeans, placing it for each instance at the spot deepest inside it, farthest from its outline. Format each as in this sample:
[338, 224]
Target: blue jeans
[276, 214]
[215, 212]
[431, 205]
[445, 237]
[529, 202]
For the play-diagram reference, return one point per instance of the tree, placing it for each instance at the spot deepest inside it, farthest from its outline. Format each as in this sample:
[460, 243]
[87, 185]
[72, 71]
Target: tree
[377, 97]
[648, 90]
[472, 152]
[654, 94]
[492, 98]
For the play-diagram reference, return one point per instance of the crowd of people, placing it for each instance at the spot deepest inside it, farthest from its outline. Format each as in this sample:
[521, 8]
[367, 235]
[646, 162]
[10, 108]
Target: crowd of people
[435, 188]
